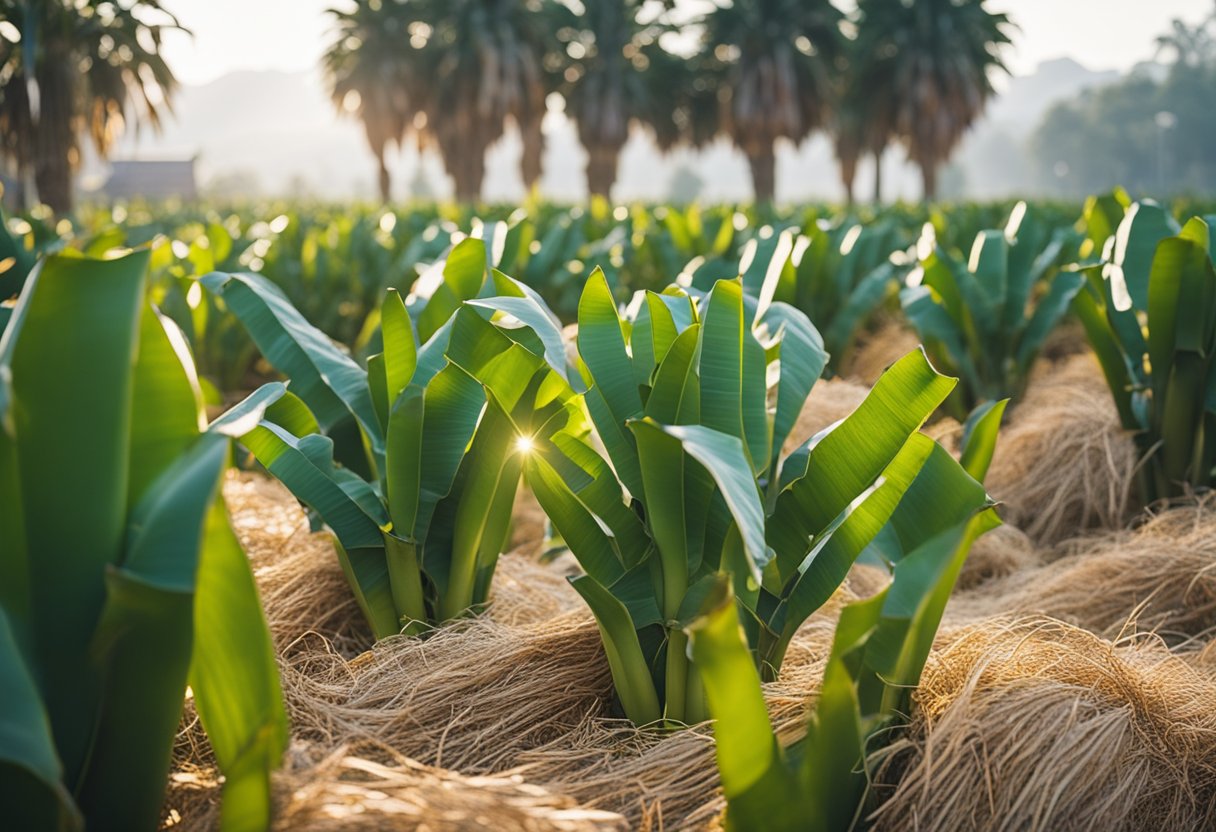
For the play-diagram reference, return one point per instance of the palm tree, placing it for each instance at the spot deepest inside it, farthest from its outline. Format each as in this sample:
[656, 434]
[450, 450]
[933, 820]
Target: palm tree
[864, 118]
[372, 71]
[1190, 45]
[848, 138]
[486, 61]
[777, 60]
[76, 68]
[619, 76]
[925, 72]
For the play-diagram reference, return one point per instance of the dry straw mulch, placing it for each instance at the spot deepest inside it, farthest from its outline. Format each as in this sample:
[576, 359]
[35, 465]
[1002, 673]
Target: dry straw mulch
[1063, 462]
[505, 720]
[1038, 725]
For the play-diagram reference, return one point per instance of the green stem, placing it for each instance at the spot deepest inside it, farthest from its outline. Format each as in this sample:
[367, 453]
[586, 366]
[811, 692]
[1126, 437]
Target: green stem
[696, 709]
[771, 653]
[405, 578]
[677, 676]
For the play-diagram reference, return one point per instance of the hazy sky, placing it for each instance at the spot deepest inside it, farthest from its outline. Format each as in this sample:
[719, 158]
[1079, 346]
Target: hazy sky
[291, 34]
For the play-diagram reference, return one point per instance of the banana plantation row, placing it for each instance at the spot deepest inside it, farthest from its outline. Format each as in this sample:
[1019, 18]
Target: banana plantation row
[639, 370]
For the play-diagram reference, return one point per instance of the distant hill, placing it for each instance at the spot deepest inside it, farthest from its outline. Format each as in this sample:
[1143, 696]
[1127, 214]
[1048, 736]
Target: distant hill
[278, 133]
[992, 158]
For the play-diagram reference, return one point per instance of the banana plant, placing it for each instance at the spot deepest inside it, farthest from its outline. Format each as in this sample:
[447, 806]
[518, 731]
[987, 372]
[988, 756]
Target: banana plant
[120, 579]
[444, 424]
[986, 320]
[878, 653]
[694, 483]
[1149, 310]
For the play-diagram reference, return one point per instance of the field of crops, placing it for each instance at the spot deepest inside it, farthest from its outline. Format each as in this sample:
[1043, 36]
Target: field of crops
[611, 517]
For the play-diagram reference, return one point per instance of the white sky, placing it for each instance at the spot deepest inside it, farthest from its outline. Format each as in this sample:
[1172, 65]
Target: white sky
[291, 34]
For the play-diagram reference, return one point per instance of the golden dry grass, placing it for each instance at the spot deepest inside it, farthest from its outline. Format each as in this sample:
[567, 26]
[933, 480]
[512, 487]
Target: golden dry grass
[1038, 725]
[1023, 723]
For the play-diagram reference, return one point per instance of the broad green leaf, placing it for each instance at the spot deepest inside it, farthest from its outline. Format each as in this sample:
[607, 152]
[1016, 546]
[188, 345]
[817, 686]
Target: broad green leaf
[675, 397]
[30, 789]
[732, 369]
[759, 789]
[844, 462]
[601, 493]
[723, 457]
[1048, 312]
[235, 679]
[990, 263]
[143, 640]
[613, 399]
[630, 671]
[1143, 226]
[429, 433]
[460, 278]
[64, 330]
[245, 415]
[483, 517]
[944, 495]
[589, 539]
[827, 563]
[663, 462]
[330, 383]
[979, 438]
[400, 350]
[802, 361]
[535, 317]
[896, 651]
[832, 772]
[164, 374]
[287, 459]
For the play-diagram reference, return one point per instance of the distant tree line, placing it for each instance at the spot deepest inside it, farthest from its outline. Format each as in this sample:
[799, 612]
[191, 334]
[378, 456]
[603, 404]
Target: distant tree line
[1153, 131]
[454, 73]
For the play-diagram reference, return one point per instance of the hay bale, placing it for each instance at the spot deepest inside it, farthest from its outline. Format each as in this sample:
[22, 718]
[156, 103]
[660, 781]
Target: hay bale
[878, 350]
[1037, 725]
[1004, 551]
[368, 786]
[1063, 462]
[1066, 340]
[349, 792]
[520, 694]
[299, 579]
[522, 689]
[1160, 576]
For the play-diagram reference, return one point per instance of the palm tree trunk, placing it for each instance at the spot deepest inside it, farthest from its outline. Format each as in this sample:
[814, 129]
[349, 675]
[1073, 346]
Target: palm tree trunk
[763, 164]
[928, 176]
[534, 149]
[386, 185]
[878, 176]
[53, 177]
[601, 169]
[467, 174]
[54, 140]
[848, 173]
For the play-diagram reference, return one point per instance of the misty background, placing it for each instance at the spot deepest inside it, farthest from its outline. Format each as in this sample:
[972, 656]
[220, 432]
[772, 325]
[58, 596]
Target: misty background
[253, 110]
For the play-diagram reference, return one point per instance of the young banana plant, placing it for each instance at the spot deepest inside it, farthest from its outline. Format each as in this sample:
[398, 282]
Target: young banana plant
[1149, 309]
[877, 655]
[442, 424]
[120, 579]
[694, 484]
[986, 320]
